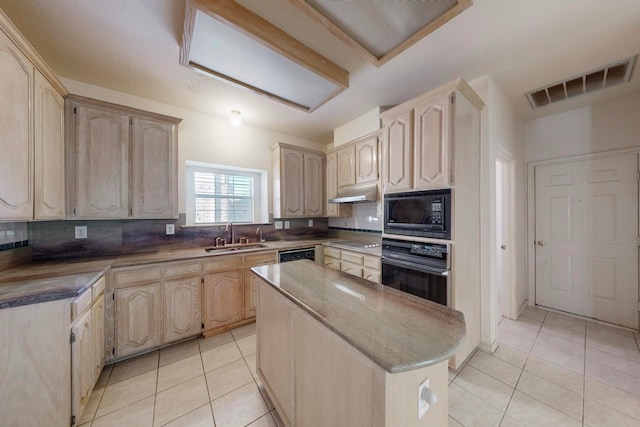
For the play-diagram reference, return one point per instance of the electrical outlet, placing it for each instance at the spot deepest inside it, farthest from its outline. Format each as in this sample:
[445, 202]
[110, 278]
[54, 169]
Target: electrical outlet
[81, 231]
[170, 229]
[278, 225]
[286, 224]
[310, 223]
[426, 397]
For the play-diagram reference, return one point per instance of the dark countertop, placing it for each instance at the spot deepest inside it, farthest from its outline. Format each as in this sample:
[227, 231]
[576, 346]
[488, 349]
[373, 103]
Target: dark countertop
[44, 281]
[397, 331]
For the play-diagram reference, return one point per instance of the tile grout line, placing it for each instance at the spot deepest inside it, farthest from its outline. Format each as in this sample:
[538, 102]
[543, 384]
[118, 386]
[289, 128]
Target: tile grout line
[584, 374]
[515, 387]
[204, 373]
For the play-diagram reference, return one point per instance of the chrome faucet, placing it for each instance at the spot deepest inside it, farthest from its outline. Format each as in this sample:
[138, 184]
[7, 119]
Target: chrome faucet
[220, 241]
[233, 236]
[259, 232]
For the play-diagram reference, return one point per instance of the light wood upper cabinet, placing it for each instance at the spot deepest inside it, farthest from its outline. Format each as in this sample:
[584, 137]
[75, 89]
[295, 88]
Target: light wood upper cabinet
[182, 313]
[346, 166]
[121, 162]
[153, 169]
[313, 184]
[102, 163]
[331, 172]
[223, 299]
[397, 153]
[431, 144]
[366, 160]
[49, 151]
[292, 183]
[16, 133]
[138, 318]
[298, 182]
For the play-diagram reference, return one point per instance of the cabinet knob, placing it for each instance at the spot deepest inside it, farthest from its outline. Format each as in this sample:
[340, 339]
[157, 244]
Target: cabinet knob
[540, 243]
[428, 396]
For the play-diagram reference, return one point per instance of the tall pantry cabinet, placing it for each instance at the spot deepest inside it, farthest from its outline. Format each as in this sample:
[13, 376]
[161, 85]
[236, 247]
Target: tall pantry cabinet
[31, 132]
[433, 142]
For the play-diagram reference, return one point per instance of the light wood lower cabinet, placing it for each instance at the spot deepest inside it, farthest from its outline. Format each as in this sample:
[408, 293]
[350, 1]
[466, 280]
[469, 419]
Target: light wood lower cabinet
[87, 346]
[138, 318]
[250, 289]
[182, 312]
[355, 263]
[224, 299]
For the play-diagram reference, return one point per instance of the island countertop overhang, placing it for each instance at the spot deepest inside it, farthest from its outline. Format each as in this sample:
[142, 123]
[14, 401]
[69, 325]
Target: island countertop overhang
[397, 331]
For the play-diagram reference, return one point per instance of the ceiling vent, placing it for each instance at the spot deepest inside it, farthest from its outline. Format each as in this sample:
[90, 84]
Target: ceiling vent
[600, 78]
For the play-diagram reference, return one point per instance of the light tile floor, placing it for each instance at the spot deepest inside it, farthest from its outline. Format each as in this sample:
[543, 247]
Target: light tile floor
[549, 369]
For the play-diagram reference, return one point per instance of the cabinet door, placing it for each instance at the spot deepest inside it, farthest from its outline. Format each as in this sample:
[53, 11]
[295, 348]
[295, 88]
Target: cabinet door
[292, 183]
[182, 302]
[274, 348]
[397, 153]
[332, 184]
[82, 367]
[49, 151]
[366, 162]
[250, 294]
[154, 187]
[102, 163]
[97, 337]
[313, 184]
[431, 144]
[138, 318]
[16, 133]
[223, 299]
[347, 166]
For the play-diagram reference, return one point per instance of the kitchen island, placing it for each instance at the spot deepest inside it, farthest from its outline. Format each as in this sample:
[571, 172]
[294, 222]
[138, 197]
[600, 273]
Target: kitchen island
[337, 350]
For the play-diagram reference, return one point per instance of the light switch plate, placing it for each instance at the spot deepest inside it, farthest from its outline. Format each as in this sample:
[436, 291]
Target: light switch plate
[278, 225]
[81, 231]
[286, 224]
[170, 229]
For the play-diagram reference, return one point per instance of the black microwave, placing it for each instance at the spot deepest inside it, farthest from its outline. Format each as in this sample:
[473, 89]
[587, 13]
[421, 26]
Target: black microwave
[419, 214]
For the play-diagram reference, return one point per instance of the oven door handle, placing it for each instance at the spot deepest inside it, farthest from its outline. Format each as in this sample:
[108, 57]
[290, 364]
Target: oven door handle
[414, 266]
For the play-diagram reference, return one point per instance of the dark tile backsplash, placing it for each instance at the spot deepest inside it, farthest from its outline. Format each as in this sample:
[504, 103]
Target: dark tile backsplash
[56, 239]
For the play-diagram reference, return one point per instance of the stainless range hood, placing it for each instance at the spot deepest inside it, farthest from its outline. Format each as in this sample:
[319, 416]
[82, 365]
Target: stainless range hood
[357, 194]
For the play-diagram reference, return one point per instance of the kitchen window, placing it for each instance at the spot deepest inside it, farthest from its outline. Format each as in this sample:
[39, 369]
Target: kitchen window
[222, 194]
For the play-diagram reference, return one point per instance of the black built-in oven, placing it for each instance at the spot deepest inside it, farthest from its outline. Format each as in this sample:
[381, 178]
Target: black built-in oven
[418, 268]
[419, 214]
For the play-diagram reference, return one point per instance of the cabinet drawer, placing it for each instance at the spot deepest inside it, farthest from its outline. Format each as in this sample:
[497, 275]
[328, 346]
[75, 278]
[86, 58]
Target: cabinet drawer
[222, 263]
[260, 259]
[330, 252]
[80, 304]
[352, 258]
[371, 275]
[173, 271]
[123, 278]
[353, 269]
[98, 288]
[372, 262]
[332, 263]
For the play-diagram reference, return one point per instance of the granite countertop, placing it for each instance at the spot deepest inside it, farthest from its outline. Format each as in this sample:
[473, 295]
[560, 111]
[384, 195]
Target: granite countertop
[44, 281]
[367, 248]
[397, 331]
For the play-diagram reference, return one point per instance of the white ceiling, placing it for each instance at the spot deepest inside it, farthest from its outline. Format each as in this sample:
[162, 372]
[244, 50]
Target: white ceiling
[133, 47]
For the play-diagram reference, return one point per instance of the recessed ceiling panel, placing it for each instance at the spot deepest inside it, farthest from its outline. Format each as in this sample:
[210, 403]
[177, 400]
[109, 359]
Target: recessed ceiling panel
[380, 30]
[229, 42]
[235, 56]
[381, 26]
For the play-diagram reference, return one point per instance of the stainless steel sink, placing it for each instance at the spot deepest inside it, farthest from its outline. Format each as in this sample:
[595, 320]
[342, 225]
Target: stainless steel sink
[235, 248]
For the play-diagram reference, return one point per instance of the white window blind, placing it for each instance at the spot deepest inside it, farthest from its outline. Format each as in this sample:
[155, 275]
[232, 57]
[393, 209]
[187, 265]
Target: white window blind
[223, 197]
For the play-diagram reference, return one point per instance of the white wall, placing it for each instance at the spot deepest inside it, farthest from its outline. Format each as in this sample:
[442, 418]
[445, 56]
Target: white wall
[608, 125]
[360, 126]
[203, 137]
[502, 132]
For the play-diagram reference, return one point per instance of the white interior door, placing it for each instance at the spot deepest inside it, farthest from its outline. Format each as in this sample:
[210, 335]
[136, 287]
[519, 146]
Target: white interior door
[503, 237]
[586, 238]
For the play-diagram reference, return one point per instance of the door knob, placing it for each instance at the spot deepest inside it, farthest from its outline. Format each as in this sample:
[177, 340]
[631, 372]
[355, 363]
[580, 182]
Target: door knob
[540, 243]
[503, 247]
